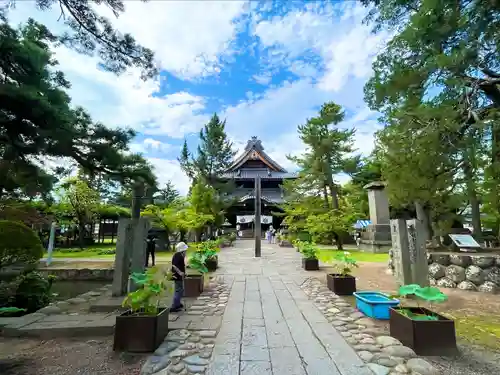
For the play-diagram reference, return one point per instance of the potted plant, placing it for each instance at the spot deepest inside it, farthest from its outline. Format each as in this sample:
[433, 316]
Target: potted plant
[309, 256]
[342, 282]
[210, 249]
[422, 329]
[194, 283]
[144, 325]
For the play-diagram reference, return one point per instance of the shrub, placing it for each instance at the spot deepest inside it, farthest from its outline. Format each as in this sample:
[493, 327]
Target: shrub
[18, 244]
[33, 292]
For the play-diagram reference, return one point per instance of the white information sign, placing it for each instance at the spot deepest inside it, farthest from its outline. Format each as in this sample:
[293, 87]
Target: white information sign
[464, 240]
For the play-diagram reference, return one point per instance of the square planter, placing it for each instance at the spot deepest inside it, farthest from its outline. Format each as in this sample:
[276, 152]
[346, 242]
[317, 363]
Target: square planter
[341, 285]
[140, 333]
[425, 337]
[310, 264]
[193, 285]
[212, 264]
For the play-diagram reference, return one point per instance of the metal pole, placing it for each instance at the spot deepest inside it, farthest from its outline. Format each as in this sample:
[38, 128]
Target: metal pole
[258, 234]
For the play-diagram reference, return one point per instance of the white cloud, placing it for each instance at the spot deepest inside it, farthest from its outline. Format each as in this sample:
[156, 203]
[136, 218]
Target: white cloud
[189, 38]
[170, 170]
[346, 46]
[150, 144]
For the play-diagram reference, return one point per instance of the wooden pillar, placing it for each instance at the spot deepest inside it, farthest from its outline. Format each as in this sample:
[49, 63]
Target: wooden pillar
[258, 234]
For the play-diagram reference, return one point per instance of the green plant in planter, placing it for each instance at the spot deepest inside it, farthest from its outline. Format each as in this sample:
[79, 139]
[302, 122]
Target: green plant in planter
[429, 294]
[197, 262]
[309, 250]
[209, 249]
[145, 300]
[232, 237]
[344, 264]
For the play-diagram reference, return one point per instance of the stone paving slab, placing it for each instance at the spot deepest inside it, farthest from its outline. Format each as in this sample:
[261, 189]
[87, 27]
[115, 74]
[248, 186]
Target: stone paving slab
[53, 326]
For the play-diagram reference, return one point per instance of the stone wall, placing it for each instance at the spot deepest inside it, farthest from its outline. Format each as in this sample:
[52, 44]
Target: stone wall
[84, 274]
[467, 272]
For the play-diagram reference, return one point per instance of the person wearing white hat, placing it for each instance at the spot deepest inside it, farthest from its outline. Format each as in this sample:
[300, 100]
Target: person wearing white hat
[178, 273]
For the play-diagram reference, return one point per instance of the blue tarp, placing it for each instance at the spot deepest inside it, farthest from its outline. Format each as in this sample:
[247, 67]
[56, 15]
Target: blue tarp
[360, 224]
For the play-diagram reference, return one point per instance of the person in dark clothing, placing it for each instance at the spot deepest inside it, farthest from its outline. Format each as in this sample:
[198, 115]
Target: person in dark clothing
[178, 274]
[150, 249]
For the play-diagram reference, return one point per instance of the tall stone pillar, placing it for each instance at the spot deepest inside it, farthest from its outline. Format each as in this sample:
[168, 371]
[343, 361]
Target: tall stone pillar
[377, 237]
[258, 233]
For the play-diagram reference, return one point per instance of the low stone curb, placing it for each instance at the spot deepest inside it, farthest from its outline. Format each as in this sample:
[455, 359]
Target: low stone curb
[188, 351]
[383, 354]
[54, 320]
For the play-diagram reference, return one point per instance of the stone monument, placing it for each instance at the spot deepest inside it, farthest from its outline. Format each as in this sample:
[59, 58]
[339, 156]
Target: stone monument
[130, 255]
[408, 253]
[377, 237]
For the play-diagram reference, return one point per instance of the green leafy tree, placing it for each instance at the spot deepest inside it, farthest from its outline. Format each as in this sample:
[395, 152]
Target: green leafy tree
[442, 65]
[83, 202]
[92, 34]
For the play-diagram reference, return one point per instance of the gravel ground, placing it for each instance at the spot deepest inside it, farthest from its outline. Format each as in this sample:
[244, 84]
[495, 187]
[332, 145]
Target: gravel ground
[470, 361]
[66, 357]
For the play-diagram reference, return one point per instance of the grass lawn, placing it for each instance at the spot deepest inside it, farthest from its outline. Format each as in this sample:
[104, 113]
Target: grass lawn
[98, 251]
[359, 255]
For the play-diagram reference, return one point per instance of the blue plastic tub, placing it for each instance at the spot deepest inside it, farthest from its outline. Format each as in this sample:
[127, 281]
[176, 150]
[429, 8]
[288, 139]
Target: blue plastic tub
[375, 304]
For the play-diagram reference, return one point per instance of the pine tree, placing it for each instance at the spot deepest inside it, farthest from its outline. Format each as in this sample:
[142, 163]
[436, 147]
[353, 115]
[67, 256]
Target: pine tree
[93, 34]
[215, 151]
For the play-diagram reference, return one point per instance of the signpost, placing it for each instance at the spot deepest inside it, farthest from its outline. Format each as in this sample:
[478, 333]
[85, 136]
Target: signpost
[465, 242]
[51, 243]
[258, 234]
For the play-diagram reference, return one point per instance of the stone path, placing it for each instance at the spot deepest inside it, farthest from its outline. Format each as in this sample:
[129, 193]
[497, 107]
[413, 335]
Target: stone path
[277, 319]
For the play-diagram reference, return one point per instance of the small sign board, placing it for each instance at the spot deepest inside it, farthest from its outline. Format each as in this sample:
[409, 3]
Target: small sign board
[464, 241]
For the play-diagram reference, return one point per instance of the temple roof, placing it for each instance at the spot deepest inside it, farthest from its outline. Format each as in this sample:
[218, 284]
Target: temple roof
[255, 151]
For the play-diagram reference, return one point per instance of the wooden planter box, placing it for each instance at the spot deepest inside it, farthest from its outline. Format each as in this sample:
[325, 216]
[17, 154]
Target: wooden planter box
[425, 337]
[341, 285]
[285, 243]
[193, 285]
[310, 264]
[212, 264]
[140, 333]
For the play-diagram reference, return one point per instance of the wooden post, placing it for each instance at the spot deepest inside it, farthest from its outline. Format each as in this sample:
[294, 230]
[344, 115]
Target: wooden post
[258, 234]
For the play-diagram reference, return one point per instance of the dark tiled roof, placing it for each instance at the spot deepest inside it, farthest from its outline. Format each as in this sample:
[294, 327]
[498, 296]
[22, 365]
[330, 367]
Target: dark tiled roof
[254, 144]
[263, 173]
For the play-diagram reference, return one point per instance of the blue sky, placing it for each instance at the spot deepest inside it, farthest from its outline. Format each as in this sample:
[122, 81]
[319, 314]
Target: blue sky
[265, 67]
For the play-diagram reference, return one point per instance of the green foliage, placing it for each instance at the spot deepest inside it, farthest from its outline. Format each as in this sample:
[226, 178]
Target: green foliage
[11, 310]
[214, 153]
[437, 84]
[168, 194]
[55, 129]
[208, 248]
[33, 292]
[197, 262]
[308, 250]
[429, 294]
[153, 284]
[18, 244]
[314, 201]
[344, 264]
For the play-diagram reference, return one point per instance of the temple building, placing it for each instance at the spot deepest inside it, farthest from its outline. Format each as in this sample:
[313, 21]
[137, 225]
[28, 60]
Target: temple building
[255, 162]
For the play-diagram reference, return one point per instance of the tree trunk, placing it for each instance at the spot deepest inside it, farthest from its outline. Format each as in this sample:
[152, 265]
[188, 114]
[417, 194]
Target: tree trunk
[494, 172]
[423, 216]
[81, 234]
[325, 196]
[473, 199]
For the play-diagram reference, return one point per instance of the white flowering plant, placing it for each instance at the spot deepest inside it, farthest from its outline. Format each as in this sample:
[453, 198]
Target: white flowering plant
[344, 264]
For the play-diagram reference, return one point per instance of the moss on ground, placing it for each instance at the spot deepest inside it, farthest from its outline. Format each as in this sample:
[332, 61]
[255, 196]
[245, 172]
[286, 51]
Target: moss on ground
[482, 330]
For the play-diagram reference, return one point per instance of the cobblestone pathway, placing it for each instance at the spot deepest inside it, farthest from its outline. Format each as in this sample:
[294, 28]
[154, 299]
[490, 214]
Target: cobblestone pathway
[267, 316]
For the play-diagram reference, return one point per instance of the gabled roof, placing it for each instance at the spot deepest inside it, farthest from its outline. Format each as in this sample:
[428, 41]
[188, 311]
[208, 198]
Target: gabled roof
[255, 151]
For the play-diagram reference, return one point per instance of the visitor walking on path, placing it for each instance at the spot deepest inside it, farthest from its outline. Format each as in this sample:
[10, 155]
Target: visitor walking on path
[150, 249]
[178, 274]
